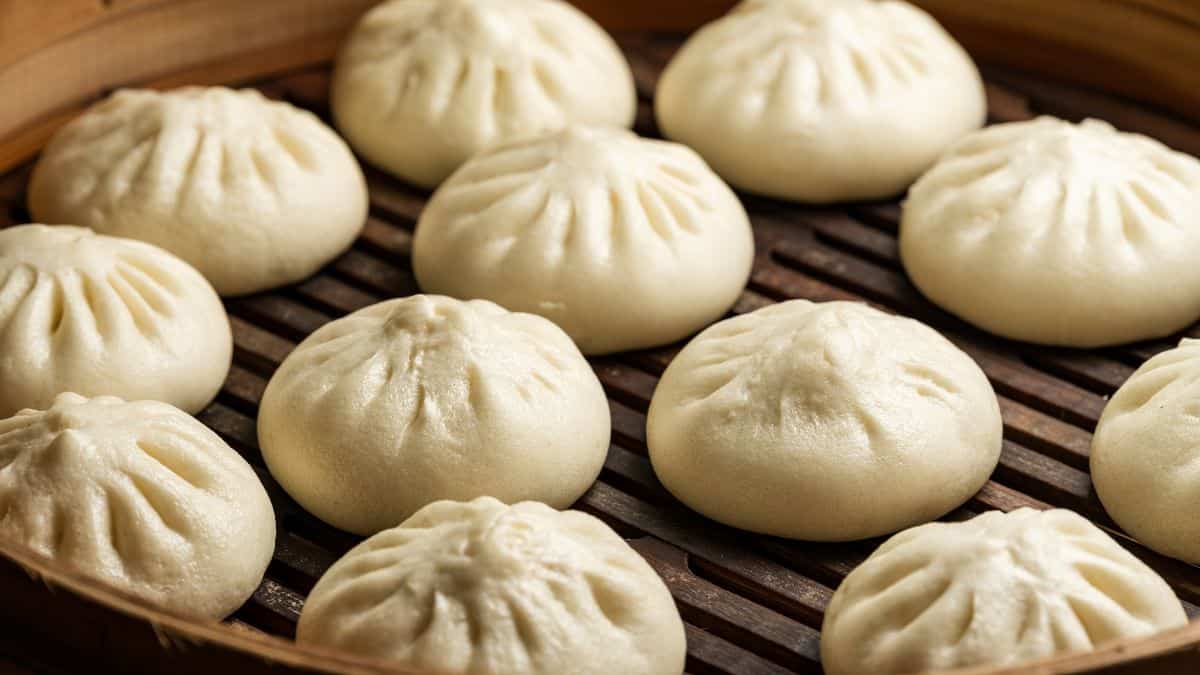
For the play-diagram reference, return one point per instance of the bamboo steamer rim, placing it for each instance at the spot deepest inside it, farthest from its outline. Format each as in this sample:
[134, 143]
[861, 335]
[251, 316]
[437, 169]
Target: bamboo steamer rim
[59, 57]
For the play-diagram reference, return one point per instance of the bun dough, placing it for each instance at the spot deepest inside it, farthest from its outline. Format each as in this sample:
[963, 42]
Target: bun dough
[140, 496]
[821, 100]
[1145, 455]
[484, 588]
[623, 242]
[253, 193]
[826, 422]
[996, 590]
[1059, 234]
[424, 398]
[102, 315]
[422, 85]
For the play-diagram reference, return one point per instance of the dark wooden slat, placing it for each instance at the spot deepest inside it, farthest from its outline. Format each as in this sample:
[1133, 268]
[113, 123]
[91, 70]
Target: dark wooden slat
[238, 430]
[717, 554]
[375, 275]
[279, 314]
[628, 426]
[387, 240]
[884, 216]
[627, 384]
[274, 609]
[399, 202]
[631, 473]
[257, 349]
[840, 230]
[1040, 476]
[711, 655]
[333, 296]
[711, 608]
[1088, 370]
[996, 496]
[1054, 438]
[244, 389]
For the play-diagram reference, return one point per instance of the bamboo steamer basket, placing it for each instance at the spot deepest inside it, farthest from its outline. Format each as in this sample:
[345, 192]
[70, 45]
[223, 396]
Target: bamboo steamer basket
[752, 604]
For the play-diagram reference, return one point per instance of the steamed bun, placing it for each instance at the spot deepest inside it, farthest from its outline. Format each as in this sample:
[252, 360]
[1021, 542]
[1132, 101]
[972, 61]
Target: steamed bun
[138, 495]
[1145, 457]
[996, 590]
[1057, 233]
[422, 85]
[826, 422]
[99, 315]
[624, 242]
[253, 193]
[820, 100]
[424, 398]
[483, 588]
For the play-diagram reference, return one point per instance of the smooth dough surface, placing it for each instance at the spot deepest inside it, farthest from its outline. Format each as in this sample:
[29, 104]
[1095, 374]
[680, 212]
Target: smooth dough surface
[99, 315]
[623, 242]
[828, 422]
[414, 400]
[1145, 457]
[422, 85]
[1058, 233]
[997, 590]
[139, 495]
[820, 100]
[481, 588]
[253, 193]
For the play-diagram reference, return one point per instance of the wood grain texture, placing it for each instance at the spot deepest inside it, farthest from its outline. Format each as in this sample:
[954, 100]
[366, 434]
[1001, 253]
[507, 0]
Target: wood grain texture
[54, 63]
[1148, 50]
[26, 26]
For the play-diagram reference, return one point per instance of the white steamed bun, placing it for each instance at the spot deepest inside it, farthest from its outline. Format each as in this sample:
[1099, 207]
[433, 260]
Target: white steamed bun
[624, 242]
[481, 588]
[821, 100]
[99, 315]
[826, 422]
[996, 590]
[424, 398]
[253, 193]
[422, 85]
[139, 495]
[1145, 457]
[1058, 233]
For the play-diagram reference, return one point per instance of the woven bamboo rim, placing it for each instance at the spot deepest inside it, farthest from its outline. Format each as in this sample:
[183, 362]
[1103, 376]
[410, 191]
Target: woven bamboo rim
[56, 58]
